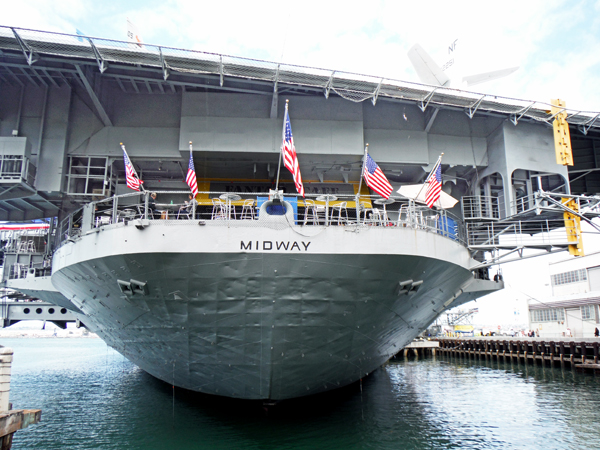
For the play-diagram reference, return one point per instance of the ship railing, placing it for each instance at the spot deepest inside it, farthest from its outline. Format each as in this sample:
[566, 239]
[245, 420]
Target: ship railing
[24, 241]
[515, 234]
[16, 168]
[243, 210]
[69, 228]
[33, 269]
[480, 207]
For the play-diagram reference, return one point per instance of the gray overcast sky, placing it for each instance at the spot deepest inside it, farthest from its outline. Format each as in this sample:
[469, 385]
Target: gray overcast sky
[556, 44]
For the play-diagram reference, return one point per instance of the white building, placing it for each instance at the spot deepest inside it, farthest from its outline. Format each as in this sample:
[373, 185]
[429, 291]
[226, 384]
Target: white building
[573, 308]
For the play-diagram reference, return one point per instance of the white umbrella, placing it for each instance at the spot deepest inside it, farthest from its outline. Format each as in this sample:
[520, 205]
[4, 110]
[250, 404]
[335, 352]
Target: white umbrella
[417, 192]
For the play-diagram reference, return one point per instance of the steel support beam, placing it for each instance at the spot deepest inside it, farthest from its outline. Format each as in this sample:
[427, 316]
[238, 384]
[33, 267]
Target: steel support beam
[102, 64]
[329, 84]
[50, 78]
[163, 63]
[376, 92]
[121, 85]
[30, 55]
[513, 117]
[586, 126]
[430, 118]
[425, 100]
[30, 205]
[174, 83]
[473, 108]
[39, 77]
[31, 80]
[135, 86]
[101, 111]
[275, 99]
[15, 77]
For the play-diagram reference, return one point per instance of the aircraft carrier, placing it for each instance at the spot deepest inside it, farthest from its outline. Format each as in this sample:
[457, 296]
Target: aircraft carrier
[251, 293]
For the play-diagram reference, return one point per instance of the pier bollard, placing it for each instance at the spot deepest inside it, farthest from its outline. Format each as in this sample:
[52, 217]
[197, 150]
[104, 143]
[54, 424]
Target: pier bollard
[6, 357]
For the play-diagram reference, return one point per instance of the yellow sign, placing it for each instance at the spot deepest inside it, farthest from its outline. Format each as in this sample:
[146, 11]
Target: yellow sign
[463, 327]
[573, 227]
[562, 136]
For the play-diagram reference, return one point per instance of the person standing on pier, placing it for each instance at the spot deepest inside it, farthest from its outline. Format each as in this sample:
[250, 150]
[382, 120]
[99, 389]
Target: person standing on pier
[596, 332]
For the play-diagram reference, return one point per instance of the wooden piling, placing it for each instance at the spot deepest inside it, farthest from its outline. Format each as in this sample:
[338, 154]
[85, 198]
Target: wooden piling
[563, 351]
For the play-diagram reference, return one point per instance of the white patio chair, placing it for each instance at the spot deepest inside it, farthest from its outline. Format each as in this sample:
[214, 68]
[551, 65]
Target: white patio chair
[248, 210]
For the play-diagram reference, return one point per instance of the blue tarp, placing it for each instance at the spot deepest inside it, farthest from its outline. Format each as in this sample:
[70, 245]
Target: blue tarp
[447, 227]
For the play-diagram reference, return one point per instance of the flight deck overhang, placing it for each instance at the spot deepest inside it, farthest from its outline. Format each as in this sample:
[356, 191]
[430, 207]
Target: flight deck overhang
[56, 58]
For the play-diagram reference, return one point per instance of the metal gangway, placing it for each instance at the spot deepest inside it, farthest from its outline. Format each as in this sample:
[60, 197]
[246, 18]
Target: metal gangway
[544, 221]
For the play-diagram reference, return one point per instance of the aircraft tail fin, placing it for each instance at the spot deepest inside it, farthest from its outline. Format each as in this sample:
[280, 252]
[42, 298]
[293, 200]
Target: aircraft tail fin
[133, 35]
[472, 80]
[427, 70]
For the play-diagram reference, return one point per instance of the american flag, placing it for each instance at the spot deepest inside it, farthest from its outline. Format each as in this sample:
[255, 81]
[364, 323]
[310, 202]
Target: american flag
[131, 177]
[434, 186]
[190, 179]
[290, 159]
[375, 178]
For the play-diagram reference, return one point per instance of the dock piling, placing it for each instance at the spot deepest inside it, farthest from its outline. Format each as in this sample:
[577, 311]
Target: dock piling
[563, 351]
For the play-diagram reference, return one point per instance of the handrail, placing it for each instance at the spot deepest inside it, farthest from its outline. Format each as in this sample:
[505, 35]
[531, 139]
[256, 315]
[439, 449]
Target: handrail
[324, 211]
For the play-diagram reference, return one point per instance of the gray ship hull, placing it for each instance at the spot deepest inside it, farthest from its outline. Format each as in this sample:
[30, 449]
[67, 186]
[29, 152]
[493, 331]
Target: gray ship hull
[217, 315]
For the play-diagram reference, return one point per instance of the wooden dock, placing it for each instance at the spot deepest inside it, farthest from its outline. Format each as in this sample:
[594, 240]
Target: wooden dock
[565, 351]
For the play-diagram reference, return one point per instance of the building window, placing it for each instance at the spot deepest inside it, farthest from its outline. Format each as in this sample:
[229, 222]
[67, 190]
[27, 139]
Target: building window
[574, 276]
[548, 315]
[587, 312]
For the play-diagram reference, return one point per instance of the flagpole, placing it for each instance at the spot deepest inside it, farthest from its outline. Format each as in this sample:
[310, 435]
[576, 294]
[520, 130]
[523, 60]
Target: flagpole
[362, 170]
[134, 171]
[282, 141]
[193, 201]
[438, 162]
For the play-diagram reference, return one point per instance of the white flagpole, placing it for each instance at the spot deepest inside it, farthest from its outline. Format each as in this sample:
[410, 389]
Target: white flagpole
[438, 162]
[193, 201]
[285, 114]
[134, 171]
[362, 171]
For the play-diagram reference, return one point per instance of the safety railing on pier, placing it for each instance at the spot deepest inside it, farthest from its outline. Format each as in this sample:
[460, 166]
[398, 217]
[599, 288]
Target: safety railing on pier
[243, 210]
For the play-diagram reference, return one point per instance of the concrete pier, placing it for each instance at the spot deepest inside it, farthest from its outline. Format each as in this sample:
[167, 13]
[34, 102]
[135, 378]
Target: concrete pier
[421, 348]
[564, 351]
[11, 420]
[6, 357]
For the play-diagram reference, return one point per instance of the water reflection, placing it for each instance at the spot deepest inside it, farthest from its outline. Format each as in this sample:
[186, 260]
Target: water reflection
[93, 398]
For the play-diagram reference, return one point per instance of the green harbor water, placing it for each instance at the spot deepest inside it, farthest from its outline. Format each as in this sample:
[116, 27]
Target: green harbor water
[93, 398]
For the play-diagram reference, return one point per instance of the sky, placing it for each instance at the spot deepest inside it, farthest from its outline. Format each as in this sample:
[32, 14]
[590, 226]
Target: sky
[555, 44]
